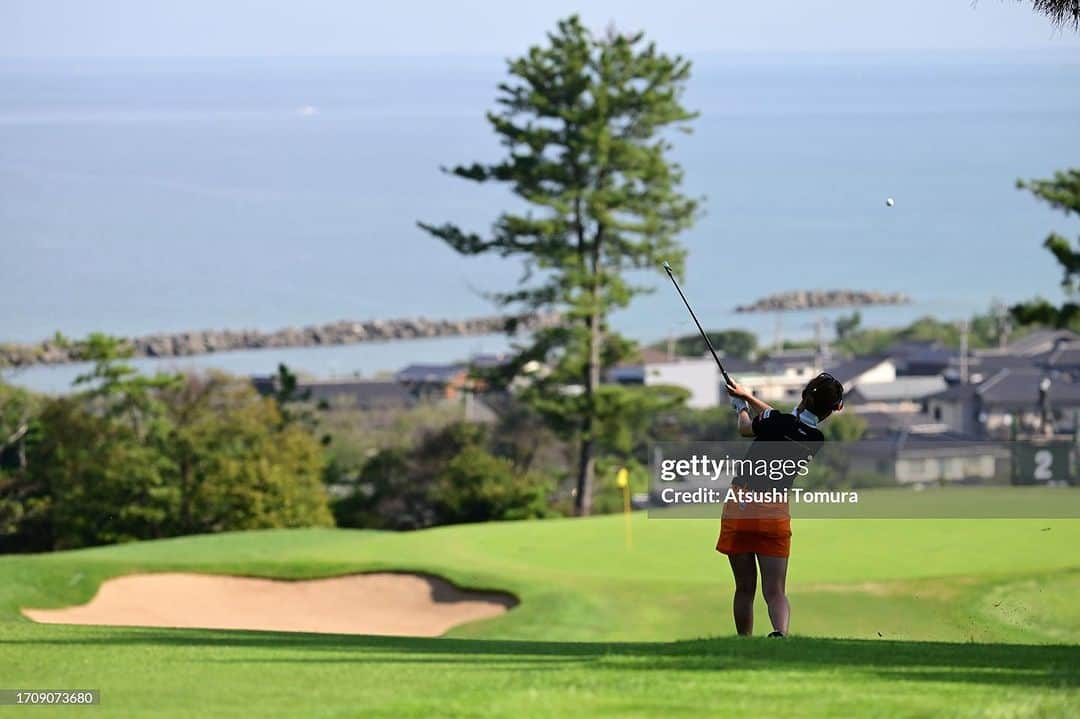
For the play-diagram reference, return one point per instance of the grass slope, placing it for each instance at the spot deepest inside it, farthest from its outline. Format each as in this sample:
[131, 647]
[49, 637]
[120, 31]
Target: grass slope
[974, 619]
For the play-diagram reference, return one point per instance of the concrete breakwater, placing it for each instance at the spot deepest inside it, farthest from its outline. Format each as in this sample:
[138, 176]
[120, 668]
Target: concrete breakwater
[823, 299]
[187, 344]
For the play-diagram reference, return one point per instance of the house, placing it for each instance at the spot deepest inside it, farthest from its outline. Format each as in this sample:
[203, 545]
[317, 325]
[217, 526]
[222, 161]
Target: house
[896, 406]
[902, 394]
[1011, 395]
[1039, 342]
[1065, 357]
[957, 407]
[981, 367]
[859, 370]
[881, 424]
[1050, 349]
[779, 377]
[795, 365]
[434, 380]
[364, 394]
[633, 372]
[360, 393]
[489, 361]
[699, 376]
[920, 357]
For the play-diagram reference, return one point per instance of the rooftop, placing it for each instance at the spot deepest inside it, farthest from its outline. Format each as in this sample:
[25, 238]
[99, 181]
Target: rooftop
[878, 423]
[1019, 388]
[364, 392]
[902, 388]
[959, 392]
[791, 358]
[431, 373]
[1015, 388]
[1034, 343]
[1065, 356]
[922, 357]
[850, 370]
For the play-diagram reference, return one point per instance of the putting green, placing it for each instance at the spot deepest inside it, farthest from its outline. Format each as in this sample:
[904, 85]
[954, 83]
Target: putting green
[913, 618]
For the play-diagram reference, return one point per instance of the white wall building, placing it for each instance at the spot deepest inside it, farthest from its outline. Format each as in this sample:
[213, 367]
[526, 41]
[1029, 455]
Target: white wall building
[699, 376]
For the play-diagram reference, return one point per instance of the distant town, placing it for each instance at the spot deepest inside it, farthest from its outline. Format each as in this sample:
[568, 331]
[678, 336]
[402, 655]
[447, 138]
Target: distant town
[929, 410]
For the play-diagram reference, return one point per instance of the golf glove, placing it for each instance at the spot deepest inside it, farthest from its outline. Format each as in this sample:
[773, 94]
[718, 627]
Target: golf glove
[739, 404]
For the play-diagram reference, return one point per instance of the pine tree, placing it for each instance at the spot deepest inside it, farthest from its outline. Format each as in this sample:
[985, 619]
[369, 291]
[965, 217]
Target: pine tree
[585, 123]
[1060, 12]
[1062, 192]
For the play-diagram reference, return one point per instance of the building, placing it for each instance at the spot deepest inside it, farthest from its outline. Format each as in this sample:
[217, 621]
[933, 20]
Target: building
[926, 459]
[1010, 395]
[792, 365]
[1039, 342]
[888, 423]
[863, 370]
[699, 376]
[920, 357]
[900, 395]
[1064, 358]
[779, 377]
[956, 407]
[359, 393]
[434, 380]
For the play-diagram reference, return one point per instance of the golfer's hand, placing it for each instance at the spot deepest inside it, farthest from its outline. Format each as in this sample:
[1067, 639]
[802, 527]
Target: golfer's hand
[737, 390]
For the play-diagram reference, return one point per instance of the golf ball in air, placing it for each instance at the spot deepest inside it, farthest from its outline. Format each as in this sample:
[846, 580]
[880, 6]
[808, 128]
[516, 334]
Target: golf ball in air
[889, 202]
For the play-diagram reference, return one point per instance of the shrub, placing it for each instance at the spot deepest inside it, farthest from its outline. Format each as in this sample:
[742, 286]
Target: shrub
[476, 486]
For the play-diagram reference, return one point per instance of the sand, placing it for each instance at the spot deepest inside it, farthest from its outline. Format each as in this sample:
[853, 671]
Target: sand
[382, 603]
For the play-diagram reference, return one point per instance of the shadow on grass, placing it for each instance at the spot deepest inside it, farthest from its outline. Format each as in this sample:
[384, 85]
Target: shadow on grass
[995, 664]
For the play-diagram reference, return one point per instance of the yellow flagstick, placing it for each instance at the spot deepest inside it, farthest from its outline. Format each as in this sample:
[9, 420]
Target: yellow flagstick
[622, 479]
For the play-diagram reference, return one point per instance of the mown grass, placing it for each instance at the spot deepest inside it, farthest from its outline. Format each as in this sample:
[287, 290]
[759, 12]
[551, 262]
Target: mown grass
[893, 617]
[214, 673]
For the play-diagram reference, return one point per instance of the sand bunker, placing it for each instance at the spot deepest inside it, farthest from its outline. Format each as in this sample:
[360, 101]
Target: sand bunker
[390, 604]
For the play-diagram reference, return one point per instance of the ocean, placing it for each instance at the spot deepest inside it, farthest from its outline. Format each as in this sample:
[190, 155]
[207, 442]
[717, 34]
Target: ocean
[139, 196]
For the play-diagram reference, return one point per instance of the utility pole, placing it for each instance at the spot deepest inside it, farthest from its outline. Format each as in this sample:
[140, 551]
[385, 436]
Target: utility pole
[822, 343]
[963, 351]
[1002, 322]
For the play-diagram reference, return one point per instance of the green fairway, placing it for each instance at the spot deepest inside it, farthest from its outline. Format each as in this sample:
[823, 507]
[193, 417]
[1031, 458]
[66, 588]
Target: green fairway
[907, 617]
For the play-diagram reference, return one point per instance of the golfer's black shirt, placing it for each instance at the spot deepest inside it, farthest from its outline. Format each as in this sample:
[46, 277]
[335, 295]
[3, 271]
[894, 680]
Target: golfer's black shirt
[778, 437]
[773, 426]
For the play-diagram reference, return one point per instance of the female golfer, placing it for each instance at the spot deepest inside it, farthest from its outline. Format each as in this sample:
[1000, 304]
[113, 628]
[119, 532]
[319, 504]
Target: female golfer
[757, 534]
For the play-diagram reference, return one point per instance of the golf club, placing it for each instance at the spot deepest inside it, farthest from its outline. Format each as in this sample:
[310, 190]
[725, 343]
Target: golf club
[704, 336]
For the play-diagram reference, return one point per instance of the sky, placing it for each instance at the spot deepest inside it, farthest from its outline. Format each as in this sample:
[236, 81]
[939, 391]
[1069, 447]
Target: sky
[244, 28]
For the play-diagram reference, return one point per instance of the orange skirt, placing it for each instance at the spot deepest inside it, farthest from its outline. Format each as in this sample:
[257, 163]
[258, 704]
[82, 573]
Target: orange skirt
[769, 536]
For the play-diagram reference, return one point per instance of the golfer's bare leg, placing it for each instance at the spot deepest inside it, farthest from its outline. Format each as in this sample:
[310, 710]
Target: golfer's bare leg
[745, 571]
[774, 587]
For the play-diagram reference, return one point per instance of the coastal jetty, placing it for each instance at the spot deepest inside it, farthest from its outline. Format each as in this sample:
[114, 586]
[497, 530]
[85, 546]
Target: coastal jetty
[189, 344]
[823, 299]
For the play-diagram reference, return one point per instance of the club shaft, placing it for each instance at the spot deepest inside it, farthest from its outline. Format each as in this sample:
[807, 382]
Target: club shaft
[701, 329]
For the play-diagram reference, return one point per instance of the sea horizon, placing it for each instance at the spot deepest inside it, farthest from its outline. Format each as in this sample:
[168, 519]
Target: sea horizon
[223, 193]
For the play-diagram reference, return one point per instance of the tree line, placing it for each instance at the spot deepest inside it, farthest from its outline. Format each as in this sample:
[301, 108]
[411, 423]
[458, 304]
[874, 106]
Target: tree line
[128, 457]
